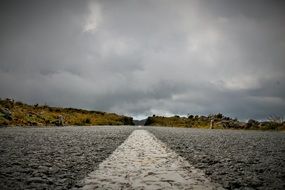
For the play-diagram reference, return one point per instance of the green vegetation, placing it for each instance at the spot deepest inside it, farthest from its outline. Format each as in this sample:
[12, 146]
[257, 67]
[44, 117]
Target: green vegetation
[19, 114]
[217, 121]
[176, 121]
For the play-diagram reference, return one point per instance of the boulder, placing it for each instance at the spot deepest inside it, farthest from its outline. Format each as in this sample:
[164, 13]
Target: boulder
[59, 121]
[7, 113]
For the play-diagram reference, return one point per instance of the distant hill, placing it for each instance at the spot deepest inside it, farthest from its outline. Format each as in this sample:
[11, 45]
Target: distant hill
[139, 122]
[20, 114]
[217, 121]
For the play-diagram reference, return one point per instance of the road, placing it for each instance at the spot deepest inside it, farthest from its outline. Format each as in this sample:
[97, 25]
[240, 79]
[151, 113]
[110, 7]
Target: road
[61, 158]
[237, 159]
[54, 158]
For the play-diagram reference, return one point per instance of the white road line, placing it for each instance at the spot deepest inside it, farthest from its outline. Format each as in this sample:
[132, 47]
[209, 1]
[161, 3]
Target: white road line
[144, 162]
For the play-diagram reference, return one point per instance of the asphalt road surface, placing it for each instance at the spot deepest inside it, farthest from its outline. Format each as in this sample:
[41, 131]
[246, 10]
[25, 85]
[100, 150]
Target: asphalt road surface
[237, 159]
[60, 158]
[54, 158]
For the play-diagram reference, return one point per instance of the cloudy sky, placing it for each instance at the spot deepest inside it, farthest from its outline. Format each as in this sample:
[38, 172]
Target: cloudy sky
[144, 57]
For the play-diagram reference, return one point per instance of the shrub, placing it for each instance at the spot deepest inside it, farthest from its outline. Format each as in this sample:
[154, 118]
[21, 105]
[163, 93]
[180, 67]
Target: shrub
[270, 125]
[275, 119]
[252, 123]
[219, 116]
[88, 120]
[190, 116]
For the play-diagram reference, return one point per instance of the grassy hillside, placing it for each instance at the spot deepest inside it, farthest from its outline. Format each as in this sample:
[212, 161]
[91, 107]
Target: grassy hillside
[217, 121]
[19, 114]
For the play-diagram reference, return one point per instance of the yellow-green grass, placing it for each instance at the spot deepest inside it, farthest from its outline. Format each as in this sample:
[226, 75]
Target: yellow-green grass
[218, 122]
[28, 115]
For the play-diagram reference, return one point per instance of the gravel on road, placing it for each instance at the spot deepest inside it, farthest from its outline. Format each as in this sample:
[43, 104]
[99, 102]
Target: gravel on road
[237, 159]
[54, 158]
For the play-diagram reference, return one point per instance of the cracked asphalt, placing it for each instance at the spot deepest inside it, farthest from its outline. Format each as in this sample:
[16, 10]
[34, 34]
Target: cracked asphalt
[60, 158]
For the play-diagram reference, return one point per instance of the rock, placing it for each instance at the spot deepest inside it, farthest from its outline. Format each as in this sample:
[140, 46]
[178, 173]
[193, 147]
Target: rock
[7, 113]
[59, 121]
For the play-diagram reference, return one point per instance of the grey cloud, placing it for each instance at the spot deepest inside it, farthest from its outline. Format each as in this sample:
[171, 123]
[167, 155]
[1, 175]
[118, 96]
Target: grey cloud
[146, 57]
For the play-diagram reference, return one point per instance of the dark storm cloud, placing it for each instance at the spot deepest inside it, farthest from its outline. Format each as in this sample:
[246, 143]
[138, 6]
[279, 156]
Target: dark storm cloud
[146, 57]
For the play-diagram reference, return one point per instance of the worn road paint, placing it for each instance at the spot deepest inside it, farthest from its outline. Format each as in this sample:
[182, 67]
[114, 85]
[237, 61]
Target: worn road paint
[144, 162]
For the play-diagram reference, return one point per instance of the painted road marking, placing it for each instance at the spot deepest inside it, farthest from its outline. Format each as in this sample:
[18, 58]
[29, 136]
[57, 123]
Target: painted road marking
[144, 162]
